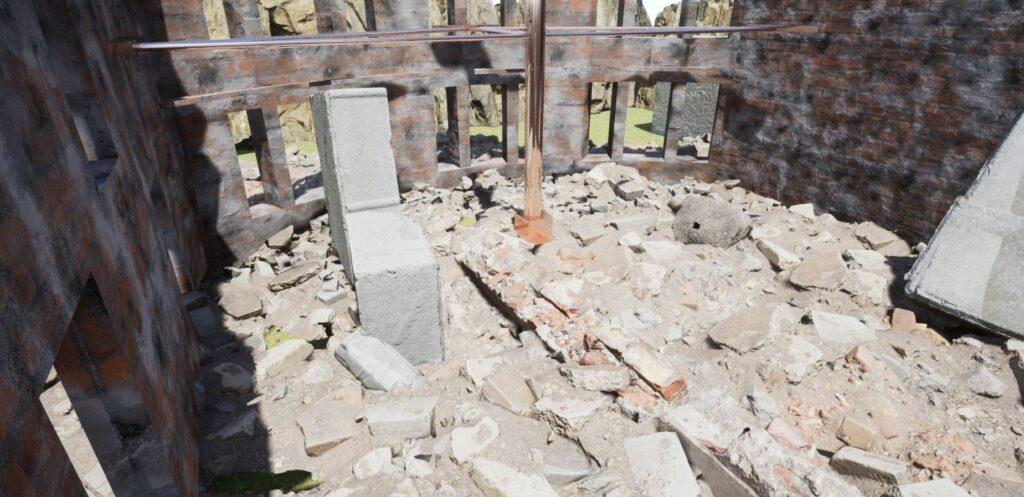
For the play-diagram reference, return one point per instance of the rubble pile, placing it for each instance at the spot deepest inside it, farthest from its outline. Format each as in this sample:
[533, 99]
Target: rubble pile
[687, 340]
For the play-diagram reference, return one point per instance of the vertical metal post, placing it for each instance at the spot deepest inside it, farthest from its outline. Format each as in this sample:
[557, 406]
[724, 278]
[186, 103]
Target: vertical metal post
[534, 225]
[534, 107]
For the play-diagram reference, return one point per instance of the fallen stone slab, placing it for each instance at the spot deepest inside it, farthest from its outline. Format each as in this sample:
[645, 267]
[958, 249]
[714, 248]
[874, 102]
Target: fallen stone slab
[972, 267]
[987, 486]
[495, 479]
[282, 239]
[243, 426]
[748, 329]
[823, 270]
[933, 488]
[705, 220]
[874, 236]
[240, 300]
[283, 357]
[326, 424]
[660, 466]
[410, 418]
[376, 364]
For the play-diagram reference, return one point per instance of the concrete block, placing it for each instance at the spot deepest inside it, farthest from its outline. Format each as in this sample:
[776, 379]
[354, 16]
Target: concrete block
[933, 488]
[397, 284]
[974, 263]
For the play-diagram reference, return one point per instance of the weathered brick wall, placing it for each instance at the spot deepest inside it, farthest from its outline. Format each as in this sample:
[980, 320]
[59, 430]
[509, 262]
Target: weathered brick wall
[63, 239]
[887, 115]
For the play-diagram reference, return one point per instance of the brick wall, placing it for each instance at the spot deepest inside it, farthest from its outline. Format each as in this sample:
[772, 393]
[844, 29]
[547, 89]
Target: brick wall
[74, 238]
[887, 115]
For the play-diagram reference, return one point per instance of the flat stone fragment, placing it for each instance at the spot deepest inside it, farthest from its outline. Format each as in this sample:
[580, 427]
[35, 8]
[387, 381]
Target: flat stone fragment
[799, 357]
[874, 236]
[283, 357]
[824, 270]
[327, 424]
[565, 462]
[411, 418]
[781, 259]
[470, 441]
[498, 480]
[987, 486]
[840, 328]
[240, 300]
[705, 220]
[376, 364]
[805, 211]
[597, 378]
[234, 379]
[509, 390]
[856, 433]
[862, 464]
[933, 488]
[748, 329]
[654, 369]
[294, 276]
[282, 239]
[660, 466]
[243, 426]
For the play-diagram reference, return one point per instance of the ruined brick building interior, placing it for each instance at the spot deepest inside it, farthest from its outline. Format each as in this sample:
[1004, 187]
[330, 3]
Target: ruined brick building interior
[784, 263]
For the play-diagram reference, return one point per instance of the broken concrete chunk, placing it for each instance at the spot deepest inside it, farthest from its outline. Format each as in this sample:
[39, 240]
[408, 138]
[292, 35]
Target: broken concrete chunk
[856, 433]
[789, 435]
[772, 470]
[987, 486]
[824, 270]
[933, 488]
[660, 466]
[470, 441]
[234, 379]
[805, 211]
[705, 220]
[567, 415]
[508, 389]
[588, 231]
[410, 418]
[597, 378]
[781, 259]
[283, 357]
[654, 369]
[243, 426]
[294, 276]
[840, 328]
[376, 364]
[748, 329]
[799, 358]
[629, 190]
[498, 480]
[327, 424]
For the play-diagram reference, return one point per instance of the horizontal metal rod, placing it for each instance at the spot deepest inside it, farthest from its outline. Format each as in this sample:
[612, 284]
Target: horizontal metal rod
[417, 36]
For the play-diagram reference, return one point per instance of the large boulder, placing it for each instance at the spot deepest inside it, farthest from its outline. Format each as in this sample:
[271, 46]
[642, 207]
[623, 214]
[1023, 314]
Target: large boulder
[709, 221]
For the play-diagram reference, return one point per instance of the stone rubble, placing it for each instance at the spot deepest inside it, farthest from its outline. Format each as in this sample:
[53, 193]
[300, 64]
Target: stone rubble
[624, 358]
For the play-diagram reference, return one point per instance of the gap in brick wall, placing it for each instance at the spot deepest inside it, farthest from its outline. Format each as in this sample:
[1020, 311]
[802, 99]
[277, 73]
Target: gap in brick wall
[446, 128]
[486, 123]
[247, 163]
[599, 104]
[301, 152]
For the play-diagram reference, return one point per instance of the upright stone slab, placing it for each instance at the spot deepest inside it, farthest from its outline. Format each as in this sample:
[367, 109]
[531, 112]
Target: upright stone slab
[353, 135]
[974, 265]
[386, 256]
